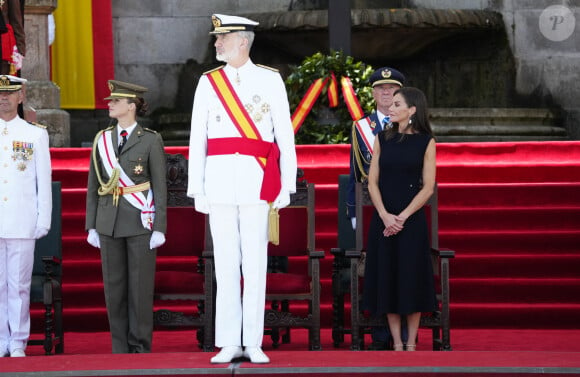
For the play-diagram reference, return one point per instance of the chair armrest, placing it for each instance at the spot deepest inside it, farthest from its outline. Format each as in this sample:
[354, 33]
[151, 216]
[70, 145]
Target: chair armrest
[337, 251]
[51, 260]
[316, 254]
[353, 253]
[443, 253]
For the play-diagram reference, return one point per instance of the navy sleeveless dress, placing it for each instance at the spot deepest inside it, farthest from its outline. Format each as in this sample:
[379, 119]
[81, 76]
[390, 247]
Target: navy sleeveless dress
[398, 270]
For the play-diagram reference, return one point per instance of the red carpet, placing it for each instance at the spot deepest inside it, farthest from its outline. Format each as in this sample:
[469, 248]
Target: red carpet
[476, 352]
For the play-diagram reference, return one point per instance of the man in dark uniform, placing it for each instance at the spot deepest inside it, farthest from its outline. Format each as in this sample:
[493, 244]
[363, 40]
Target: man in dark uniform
[126, 216]
[384, 81]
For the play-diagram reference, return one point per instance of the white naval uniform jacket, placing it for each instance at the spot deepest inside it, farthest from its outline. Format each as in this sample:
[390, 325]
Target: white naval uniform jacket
[25, 179]
[237, 179]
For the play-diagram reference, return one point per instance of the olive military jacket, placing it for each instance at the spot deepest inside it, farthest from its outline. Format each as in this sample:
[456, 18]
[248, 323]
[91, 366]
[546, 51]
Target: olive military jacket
[143, 160]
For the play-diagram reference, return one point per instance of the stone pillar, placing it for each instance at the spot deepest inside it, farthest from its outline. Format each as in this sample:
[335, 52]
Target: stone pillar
[42, 95]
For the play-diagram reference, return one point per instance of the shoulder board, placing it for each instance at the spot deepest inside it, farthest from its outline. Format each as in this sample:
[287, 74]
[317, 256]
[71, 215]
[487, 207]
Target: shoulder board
[215, 69]
[37, 125]
[149, 130]
[266, 67]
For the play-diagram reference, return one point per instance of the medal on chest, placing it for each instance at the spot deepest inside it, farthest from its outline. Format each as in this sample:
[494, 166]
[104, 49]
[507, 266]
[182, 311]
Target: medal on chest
[22, 153]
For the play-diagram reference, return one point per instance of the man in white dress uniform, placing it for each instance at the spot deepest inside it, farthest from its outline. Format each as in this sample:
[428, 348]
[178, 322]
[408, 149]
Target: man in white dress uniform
[242, 159]
[25, 212]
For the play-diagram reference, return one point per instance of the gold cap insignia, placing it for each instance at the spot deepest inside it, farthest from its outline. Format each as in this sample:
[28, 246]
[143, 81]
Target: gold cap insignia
[4, 81]
[386, 73]
[216, 21]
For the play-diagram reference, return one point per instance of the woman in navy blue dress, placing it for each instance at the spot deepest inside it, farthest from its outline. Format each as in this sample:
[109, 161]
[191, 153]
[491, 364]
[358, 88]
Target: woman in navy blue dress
[399, 272]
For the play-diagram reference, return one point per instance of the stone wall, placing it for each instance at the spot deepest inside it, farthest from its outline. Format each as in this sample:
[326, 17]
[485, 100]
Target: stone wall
[155, 39]
[545, 41]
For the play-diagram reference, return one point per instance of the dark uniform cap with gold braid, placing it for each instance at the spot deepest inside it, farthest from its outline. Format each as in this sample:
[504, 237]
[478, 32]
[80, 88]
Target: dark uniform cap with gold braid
[386, 75]
[229, 24]
[9, 83]
[120, 89]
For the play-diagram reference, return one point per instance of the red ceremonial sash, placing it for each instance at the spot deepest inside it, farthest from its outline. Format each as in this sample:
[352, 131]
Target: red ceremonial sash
[267, 154]
[234, 107]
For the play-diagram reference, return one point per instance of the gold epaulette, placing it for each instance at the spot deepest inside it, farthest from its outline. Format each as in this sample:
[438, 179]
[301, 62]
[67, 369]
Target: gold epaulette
[213, 70]
[38, 125]
[266, 67]
[149, 130]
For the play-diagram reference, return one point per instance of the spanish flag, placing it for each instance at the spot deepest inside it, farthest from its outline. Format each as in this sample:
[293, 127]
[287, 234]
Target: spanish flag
[82, 53]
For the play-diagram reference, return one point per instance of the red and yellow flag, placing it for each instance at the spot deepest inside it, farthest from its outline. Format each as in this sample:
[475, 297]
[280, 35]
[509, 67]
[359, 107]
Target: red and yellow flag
[82, 53]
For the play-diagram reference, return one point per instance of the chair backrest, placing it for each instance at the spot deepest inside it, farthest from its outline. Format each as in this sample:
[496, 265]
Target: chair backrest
[346, 234]
[51, 244]
[365, 209]
[297, 224]
[185, 226]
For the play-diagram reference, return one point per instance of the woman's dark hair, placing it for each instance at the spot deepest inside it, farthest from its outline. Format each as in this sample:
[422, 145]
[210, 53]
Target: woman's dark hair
[419, 122]
[141, 106]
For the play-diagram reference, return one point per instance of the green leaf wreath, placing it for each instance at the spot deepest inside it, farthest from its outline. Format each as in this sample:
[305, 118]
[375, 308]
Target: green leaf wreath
[325, 125]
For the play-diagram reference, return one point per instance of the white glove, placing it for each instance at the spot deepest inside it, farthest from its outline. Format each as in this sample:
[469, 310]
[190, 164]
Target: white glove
[93, 238]
[157, 239]
[201, 203]
[282, 200]
[40, 232]
[353, 222]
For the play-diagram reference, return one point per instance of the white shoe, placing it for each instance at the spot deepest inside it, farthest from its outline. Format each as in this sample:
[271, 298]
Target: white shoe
[256, 355]
[18, 352]
[227, 354]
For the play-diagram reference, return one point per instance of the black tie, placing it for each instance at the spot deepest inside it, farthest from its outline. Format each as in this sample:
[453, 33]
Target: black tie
[122, 143]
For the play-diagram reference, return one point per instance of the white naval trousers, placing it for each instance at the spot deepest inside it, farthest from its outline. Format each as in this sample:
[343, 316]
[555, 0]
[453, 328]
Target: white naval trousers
[240, 240]
[16, 262]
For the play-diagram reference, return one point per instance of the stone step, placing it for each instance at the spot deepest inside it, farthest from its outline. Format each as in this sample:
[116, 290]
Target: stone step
[496, 124]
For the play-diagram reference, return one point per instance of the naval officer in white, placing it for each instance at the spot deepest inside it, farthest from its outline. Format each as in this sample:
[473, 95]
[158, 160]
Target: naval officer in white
[240, 125]
[25, 208]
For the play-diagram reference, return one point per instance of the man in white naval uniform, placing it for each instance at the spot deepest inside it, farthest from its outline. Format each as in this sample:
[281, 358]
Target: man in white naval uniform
[240, 122]
[25, 208]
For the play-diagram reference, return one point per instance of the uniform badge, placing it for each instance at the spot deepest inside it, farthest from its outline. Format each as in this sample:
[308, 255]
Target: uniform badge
[373, 124]
[249, 107]
[256, 98]
[257, 117]
[386, 73]
[138, 169]
[22, 152]
[265, 108]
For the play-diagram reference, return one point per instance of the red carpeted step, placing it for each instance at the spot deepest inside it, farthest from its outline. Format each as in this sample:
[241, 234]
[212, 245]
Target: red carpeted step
[537, 194]
[510, 315]
[510, 218]
[475, 241]
[515, 290]
[494, 265]
[496, 173]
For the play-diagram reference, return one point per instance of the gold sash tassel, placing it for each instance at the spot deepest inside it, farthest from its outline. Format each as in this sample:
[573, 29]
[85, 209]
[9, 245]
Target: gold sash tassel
[273, 225]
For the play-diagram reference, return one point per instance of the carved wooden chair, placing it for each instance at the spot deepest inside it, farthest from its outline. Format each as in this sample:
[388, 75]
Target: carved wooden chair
[46, 285]
[438, 321]
[189, 277]
[287, 286]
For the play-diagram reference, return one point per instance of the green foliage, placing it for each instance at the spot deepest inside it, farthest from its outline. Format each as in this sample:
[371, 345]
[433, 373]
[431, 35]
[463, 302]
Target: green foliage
[325, 125]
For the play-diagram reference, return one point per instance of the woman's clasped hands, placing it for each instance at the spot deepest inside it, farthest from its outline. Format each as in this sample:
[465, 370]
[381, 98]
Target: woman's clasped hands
[393, 224]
